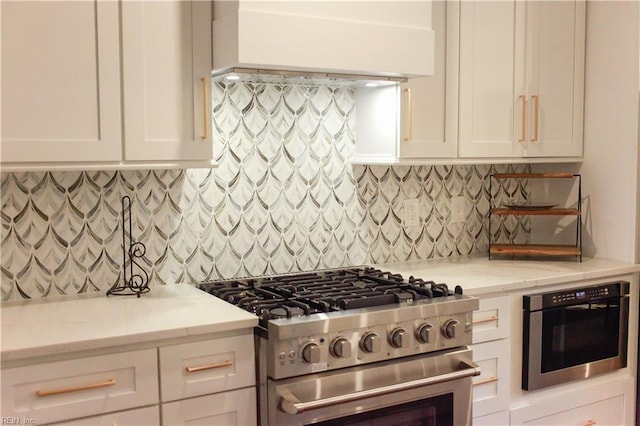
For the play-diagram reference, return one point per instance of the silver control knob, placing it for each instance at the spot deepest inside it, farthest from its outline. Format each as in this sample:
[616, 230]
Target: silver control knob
[371, 343]
[340, 347]
[449, 329]
[398, 338]
[423, 333]
[311, 353]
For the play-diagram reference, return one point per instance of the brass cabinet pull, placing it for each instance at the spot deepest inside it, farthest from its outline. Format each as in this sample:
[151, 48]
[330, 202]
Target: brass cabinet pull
[226, 363]
[409, 135]
[109, 382]
[482, 321]
[484, 382]
[205, 107]
[590, 422]
[523, 135]
[535, 117]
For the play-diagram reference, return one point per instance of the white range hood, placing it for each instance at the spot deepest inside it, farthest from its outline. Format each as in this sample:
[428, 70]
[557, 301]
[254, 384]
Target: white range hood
[361, 39]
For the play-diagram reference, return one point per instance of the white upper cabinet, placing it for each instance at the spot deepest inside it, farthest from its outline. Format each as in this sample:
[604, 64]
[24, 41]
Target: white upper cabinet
[105, 84]
[429, 105]
[166, 77]
[351, 37]
[60, 81]
[417, 119]
[521, 78]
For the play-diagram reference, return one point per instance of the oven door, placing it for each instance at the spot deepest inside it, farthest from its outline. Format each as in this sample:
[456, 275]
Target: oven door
[575, 341]
[433, 389]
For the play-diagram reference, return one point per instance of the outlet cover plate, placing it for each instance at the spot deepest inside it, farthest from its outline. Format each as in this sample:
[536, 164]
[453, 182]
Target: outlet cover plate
[412, 212]
[458, 209]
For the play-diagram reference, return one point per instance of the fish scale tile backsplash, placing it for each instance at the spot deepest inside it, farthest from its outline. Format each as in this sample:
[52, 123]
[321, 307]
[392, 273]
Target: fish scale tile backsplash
[283, 199]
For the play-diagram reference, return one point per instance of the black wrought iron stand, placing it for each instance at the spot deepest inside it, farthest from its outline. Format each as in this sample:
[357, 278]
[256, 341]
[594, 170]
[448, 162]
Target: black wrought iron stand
[132, 284]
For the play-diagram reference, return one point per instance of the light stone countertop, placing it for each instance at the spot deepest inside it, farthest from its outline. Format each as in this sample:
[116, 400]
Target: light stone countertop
[88, 322]
[479, 275]
[91, 322]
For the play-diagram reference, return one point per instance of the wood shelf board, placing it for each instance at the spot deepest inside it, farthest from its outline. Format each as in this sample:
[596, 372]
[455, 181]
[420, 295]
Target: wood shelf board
[535, 249]
[535, 212]
[533, 175]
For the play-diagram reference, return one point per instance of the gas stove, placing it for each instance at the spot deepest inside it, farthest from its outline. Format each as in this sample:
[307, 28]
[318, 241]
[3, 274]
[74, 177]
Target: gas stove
[342, 346]
[327, 320]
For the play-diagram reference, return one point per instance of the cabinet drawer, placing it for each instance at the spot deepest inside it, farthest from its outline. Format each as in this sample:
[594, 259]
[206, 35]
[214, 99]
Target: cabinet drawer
[199, 368]
[492, 320]
[81, 387]
[591, 402]
[491, 387]
[500, 418]
[149, 416]
[222, 409]
[605, 412]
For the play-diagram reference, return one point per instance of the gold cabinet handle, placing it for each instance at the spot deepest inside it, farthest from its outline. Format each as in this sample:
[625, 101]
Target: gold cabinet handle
[205, 107]
[590, 422]
[109, 382]
[484, 382]
[409, 135]
[535, 117]
[482, 321]
[209, 367]
[523, 136]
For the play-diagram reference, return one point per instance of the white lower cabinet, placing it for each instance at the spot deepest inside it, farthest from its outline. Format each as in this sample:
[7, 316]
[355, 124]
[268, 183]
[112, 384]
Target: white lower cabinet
[80, 387]
[492, 352]
[500, 418]
[206, 382]
[219, 372]
[230, 408]
[491, 387]
[607, 403]
[200, 368]
[147, 416]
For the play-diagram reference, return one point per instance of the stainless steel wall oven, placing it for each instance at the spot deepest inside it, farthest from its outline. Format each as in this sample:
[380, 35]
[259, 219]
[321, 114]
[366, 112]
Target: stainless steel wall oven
[358, 346]
[573, 334]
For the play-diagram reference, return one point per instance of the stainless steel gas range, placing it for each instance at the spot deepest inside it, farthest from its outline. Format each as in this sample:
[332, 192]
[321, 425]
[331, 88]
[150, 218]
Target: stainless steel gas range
[358, 346]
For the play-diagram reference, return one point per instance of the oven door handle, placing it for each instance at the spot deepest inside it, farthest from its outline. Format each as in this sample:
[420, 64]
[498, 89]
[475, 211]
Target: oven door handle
[292, 405]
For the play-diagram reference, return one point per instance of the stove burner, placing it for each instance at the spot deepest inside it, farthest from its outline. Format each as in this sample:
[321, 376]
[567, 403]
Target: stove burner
[285, 312]
[289, 296]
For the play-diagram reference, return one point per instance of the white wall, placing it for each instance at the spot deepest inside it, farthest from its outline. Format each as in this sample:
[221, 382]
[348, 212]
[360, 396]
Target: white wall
[611, 159]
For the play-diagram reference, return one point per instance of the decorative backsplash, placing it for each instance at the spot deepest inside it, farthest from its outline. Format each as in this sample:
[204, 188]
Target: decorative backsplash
[283, 199]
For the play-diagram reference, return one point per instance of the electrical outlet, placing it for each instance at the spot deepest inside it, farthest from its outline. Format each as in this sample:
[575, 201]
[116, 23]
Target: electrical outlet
[412, 212]
[458, 209]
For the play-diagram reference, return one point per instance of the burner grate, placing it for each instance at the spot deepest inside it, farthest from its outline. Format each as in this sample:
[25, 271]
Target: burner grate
[289, 296]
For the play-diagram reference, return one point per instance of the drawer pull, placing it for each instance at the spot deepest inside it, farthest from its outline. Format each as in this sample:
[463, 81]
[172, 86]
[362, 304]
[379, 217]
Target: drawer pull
[590, 423]
[482, 321]
[109, 382]
[484, 382]
[536, 102]
[409, 135]
[226, 363]
[205, 107]
[523, 135]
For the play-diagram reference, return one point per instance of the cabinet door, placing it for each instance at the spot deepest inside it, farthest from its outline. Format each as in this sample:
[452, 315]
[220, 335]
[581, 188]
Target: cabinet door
[60, 81]
[491, 387]
[136, 417]
[199, 368]
[429, 105]
[233, 408]
[166, 80]
[491, 77]
[604, 403]
[555, 77]
[492, 319]
[81, 387]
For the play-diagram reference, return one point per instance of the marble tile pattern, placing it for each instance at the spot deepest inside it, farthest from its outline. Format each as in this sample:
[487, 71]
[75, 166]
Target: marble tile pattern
[283, 199]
